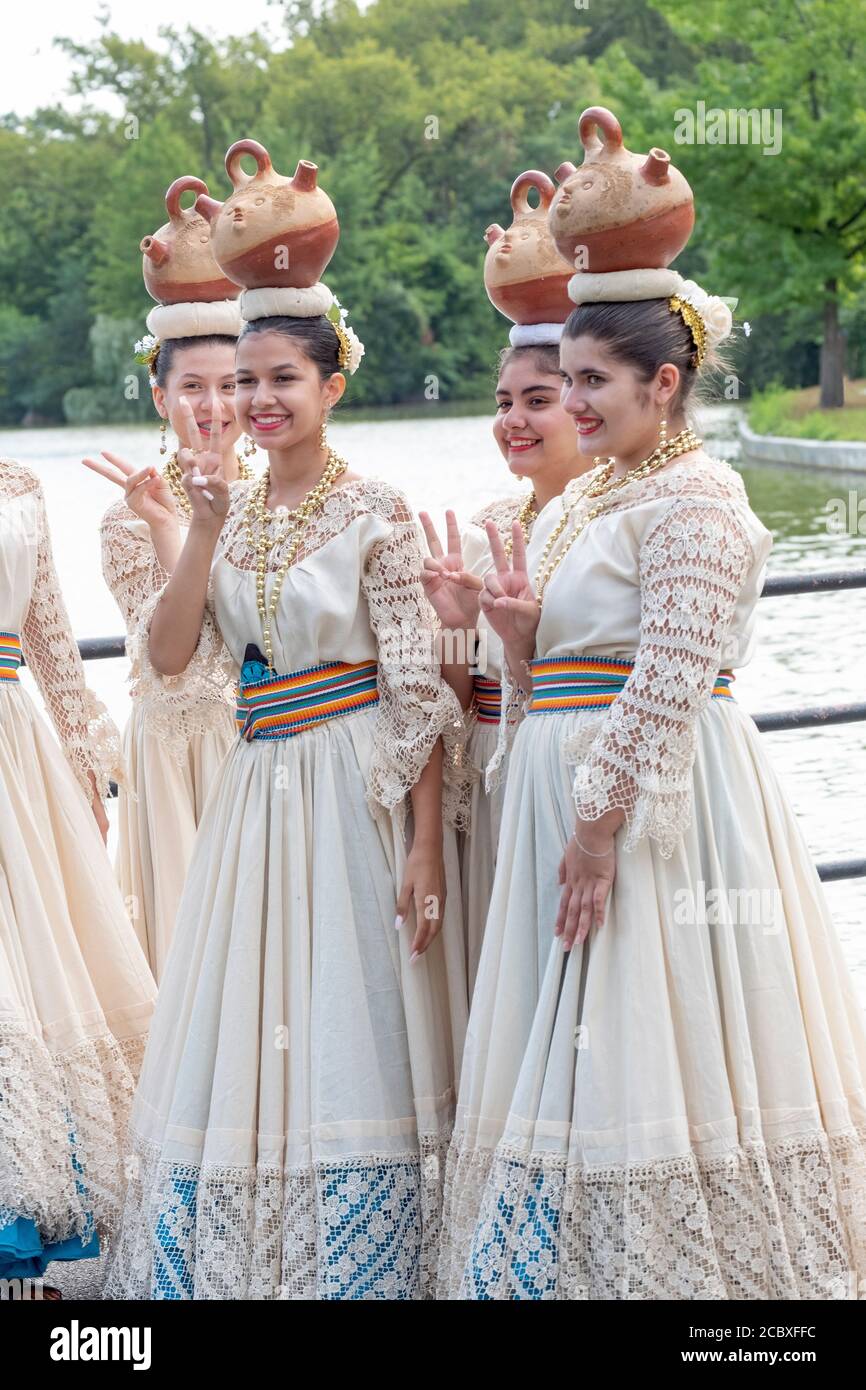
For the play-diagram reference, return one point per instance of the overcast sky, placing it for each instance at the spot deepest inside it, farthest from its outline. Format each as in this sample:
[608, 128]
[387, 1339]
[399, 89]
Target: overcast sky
[33, 73]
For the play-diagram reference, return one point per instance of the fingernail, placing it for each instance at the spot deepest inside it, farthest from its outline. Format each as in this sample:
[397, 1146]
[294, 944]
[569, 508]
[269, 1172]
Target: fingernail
[398, 922]
[416, 955]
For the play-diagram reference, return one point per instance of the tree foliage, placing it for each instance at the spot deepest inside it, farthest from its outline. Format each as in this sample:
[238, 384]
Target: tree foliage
[420, 115]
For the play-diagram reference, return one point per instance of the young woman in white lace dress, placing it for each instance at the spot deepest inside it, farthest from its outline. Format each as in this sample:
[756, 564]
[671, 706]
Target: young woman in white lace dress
[538, 441]
[177, 736]
[663, 1085]
[297, 1096]
[75, 992]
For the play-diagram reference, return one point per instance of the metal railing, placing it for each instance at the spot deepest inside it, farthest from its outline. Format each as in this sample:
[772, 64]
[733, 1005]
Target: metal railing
[773, 721]
[817, 716]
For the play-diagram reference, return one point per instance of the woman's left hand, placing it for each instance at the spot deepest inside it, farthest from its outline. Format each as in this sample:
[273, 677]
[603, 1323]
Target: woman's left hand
[586, 879]
[423, 884]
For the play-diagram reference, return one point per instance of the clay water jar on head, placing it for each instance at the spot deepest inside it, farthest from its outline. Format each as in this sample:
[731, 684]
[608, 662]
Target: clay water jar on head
[629, 211]
[272, 231]
[524, 274]
[178, 264]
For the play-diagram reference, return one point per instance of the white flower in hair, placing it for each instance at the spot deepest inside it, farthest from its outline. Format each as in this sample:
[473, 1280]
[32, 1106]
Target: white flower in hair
[146, 351]
[145, 345]
[714, 311]
[356, 349]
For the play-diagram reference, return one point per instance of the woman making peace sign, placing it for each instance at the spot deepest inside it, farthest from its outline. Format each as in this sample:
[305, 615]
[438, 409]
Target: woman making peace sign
[664, 1085]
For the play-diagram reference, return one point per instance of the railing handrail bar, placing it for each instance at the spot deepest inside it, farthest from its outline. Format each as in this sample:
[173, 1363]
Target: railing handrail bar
[813, 582]
[774, 721]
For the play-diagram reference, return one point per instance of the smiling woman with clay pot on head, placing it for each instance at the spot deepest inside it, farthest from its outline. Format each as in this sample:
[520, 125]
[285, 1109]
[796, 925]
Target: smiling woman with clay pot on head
[663, 1093]
[175, 738]
[525, 277]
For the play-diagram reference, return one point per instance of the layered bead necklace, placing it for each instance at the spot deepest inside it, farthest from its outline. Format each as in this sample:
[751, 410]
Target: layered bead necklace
[602, 487]
[258, 523]
[173, 474]
[527, 514]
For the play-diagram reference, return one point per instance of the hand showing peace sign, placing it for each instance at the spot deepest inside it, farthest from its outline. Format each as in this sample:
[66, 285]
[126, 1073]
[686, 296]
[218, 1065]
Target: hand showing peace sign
[202, 466]
[453, 591]
[144, 489]
[508, 599]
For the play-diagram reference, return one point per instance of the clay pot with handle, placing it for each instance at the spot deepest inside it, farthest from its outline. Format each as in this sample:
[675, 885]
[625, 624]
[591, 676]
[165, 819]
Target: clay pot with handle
[524, 274]
[178, 262]
[272, 231]
[629, 211]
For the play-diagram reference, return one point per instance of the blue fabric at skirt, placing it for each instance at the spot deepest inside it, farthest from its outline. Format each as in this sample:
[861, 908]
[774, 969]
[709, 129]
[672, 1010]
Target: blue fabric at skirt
[23, 1255]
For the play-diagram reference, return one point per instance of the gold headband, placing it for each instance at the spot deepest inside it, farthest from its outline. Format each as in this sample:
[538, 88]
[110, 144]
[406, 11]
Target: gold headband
[345, 349]
[694, 323]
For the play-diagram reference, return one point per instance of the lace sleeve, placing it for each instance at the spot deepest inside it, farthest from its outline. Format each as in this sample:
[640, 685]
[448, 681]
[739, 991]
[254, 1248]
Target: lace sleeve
[87, 733]
[416, 706]
[129, 562]
[693, 565]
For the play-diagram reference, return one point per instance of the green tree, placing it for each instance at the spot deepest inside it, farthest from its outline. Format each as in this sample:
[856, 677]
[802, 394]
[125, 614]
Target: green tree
[788, 228]
[119, 388]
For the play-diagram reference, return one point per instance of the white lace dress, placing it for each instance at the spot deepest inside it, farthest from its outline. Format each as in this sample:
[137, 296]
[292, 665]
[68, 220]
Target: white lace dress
[76, 995]
[676, 1110]
[478, 842]
[297, 1094]
[174, 742]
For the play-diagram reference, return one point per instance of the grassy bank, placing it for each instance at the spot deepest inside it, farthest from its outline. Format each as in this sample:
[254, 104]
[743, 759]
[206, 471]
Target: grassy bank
[797, 414]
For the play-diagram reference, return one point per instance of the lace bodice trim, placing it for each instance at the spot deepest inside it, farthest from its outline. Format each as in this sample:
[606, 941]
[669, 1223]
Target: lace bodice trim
[416, 706]
[502, 513]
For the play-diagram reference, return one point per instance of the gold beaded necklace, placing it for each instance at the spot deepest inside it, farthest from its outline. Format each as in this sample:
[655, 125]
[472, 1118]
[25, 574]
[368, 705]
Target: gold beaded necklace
[527, 514]
[603, 486]
[256, 513]
[173, 474]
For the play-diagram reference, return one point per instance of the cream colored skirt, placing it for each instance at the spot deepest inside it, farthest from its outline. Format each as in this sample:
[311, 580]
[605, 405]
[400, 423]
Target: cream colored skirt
[677, 1109]
[478, 847]
[157, 820]
[76, 995]
[297, 1094]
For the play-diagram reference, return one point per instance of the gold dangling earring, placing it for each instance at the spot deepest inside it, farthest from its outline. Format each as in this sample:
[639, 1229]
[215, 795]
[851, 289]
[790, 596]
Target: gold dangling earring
[663, 433]
[323, 433]
[249, 447]
[163, 446]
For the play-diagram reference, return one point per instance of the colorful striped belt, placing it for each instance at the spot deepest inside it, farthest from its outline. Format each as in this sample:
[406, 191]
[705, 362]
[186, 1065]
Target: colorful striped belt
[589, 682]
[488, 699]
[275, 707]
[10, 656]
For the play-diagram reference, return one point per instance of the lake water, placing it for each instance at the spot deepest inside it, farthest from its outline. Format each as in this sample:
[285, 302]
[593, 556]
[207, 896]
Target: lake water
[810, 651]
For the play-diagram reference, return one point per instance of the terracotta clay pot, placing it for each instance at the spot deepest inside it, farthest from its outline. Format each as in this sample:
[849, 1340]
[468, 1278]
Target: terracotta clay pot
[524, 274]
[272, 231]
[178, 262]
[629, 211]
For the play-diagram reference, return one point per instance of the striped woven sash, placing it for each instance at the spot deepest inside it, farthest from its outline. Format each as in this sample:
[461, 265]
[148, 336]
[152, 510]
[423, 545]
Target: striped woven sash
[589, 682]
[276, 707]
[488, 699]
[10, 656]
